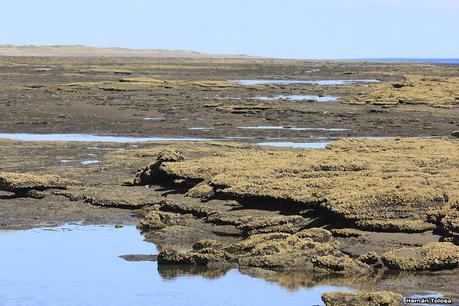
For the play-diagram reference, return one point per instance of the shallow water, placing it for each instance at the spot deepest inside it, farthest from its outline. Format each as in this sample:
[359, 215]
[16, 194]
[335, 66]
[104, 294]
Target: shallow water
[91, 138]
[295, 145]
[153, 119]
[66, 161]
[79, 265]
[200, 128]
[89, 162]
[275, 127]
[306, 82]
[105, 149]
[300, 98]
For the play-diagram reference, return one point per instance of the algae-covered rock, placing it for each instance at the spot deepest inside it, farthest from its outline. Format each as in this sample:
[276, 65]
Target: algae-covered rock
[286, 224]
[378, 185]
[370, 258]
[120, 197]
[406, 226]
[432, 256]
[154, 220]
[346, 232]
[151, 173]
[382, 298]
[201, 191]
[208, 243]
[24, 182]
[309, 250]
[201, 257]
[316, 234]
[447, 220]
[414, 89]
[339, 265]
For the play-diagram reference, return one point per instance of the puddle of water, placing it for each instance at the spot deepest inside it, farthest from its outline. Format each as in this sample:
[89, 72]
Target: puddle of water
[295, 145]
[273, 127]
[153, 119]
[89, 162]
[79, 265]
[200, 128]
[307, 82]
[312, 70]
[105, 149]
[91, 138]
[299, 98]
[66, 161]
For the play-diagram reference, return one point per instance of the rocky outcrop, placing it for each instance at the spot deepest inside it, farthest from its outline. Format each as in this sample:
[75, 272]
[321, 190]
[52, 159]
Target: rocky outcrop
[251, 225]
[383, 298]
[370, 258]
[119, 197]
[414, 89]
[406, 226]
[201, 191]
[23, 183]
[152, 173]
[432, 257]
[155, 220]
[308, 250]
[447, 220]
[384, 185]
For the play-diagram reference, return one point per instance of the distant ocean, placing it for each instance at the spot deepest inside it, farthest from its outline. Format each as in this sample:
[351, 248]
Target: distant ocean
[416, 60]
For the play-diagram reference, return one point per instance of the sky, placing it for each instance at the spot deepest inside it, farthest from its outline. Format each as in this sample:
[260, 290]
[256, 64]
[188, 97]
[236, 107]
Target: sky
[303, 29]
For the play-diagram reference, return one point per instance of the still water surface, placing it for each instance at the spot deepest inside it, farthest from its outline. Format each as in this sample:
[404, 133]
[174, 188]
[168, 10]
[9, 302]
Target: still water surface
[305, 82]
[76, 265]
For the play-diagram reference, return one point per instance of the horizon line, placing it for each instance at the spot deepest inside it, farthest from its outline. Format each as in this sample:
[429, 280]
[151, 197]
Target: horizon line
[210, 55]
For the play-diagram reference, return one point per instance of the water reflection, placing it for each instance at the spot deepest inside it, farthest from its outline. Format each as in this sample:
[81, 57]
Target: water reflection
[80, 265]
[90, 138]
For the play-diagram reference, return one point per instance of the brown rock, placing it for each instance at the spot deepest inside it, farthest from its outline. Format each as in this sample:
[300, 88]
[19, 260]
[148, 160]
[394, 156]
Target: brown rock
[432, 256]
[24, 182]
[151, 173]
[383, 298]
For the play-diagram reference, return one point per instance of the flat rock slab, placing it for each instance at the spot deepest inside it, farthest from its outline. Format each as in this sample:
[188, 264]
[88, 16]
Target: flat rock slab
[20, 182]
[432, 256]
[385, 298]
[121, 196]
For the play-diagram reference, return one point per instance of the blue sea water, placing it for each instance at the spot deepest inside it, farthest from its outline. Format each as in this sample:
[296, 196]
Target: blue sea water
[416, 60]
[75, 265]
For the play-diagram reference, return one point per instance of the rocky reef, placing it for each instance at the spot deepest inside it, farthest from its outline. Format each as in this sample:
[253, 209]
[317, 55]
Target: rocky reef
[387, 185]
[358, 207]
[308, 250]
[22, 184]
[384, 298]
[412, 89]
[432, 256]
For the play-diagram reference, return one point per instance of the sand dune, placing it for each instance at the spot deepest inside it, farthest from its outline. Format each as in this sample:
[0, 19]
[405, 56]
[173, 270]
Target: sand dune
[86, 51]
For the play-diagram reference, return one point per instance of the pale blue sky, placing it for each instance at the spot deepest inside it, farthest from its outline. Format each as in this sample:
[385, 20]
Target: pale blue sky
[278, 28]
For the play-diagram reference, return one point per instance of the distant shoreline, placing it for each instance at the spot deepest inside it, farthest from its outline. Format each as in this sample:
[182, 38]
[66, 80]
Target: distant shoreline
[411, 60]
[87, 51]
